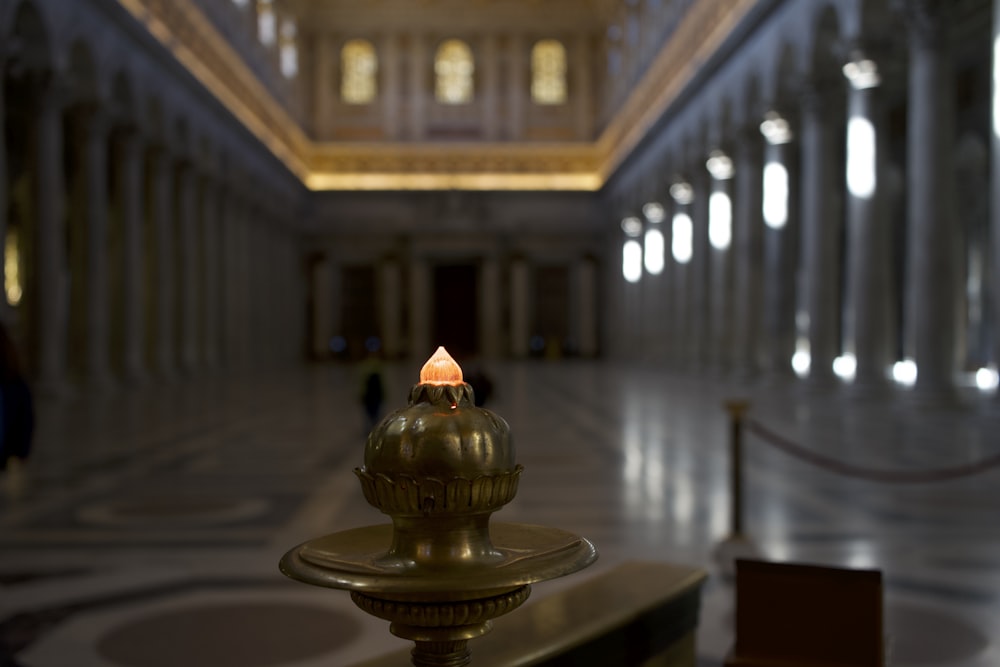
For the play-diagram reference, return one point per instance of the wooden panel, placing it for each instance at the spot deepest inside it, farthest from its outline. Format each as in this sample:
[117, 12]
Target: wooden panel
[807, 616]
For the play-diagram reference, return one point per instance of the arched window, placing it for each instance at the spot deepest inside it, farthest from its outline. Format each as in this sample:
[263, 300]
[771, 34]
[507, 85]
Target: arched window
[267, 26]
[548, 72]
[453, 69]
[288, 49]
[358, 70]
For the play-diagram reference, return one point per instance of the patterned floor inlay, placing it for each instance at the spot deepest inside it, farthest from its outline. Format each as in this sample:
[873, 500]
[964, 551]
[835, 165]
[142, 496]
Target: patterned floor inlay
[245, 634]
[172, 510]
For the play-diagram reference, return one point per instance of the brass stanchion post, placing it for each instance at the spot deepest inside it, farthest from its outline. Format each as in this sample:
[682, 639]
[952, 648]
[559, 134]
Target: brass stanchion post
[736, 411]
[736, 544]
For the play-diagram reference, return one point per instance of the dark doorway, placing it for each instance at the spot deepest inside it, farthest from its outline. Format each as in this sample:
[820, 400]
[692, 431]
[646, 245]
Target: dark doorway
[455, 323]
[359, 321]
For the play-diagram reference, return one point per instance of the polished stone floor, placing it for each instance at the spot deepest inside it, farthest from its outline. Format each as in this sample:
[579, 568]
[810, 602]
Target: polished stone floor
[153, 519]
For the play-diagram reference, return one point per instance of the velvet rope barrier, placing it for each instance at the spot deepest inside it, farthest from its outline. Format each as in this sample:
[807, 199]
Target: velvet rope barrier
[872, 474]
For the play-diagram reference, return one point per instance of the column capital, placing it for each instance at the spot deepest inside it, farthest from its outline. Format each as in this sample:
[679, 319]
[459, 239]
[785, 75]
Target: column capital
[927, 20]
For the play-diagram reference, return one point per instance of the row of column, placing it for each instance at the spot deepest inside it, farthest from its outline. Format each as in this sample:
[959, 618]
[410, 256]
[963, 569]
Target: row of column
[747, 303]
[504, 313]
[168, 269]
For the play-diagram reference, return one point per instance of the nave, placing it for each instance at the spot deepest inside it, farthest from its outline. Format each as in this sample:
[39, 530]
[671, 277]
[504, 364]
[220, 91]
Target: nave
[153, 521]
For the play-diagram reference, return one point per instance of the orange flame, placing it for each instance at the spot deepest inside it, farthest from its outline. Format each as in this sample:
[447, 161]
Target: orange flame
[441, 369]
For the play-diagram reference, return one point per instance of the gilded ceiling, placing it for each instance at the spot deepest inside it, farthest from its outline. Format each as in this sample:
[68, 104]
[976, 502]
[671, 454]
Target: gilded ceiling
[430, 165]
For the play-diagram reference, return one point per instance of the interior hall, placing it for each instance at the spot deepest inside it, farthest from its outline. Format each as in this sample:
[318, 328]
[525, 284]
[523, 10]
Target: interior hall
[640, 220]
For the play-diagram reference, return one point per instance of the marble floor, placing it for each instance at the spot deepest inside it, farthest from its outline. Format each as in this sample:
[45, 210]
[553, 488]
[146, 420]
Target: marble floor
[150, 528]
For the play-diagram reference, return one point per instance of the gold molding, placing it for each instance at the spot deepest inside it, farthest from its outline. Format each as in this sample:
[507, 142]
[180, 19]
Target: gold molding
[189, 35]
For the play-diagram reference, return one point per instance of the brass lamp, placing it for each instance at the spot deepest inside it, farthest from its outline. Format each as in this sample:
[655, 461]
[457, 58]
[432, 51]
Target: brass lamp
[441, 571]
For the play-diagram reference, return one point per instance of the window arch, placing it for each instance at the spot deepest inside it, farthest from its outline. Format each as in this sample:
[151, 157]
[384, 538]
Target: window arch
[548, 72]
[358, 72]
[267, 23]
[453, 70]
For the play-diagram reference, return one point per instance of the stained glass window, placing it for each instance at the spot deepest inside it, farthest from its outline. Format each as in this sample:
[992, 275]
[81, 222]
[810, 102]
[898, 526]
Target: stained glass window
[453, 70]
[548, 72]
[358, 72]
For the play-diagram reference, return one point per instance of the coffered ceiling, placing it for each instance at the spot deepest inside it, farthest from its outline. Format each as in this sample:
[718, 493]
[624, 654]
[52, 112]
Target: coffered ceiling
[452, 15]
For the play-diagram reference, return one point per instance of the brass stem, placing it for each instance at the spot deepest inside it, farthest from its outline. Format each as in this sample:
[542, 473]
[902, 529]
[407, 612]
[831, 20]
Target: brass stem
[444, 540]
[441, 654]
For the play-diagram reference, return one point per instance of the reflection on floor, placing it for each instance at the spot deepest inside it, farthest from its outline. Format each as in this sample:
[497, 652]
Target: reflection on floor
[153, 521]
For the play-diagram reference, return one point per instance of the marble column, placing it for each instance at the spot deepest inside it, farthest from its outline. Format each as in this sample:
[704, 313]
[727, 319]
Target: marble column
[188, 270]
[779, 275]
[490, 300]
[321, 277]
[868, 313]
[933, 282]
[994, 222]
[587, 308]
[98, 309]
[699, 273]
[244, 286]
[420, 308]
[391, 306]
[516, 86]
[680, 333]
[653, 299]
[130, 173]
[520, 316]
[211, 266]
[748, 231]
[52, 277]
[820, 234]
[161, 175]
[721, 291]
[5, 310]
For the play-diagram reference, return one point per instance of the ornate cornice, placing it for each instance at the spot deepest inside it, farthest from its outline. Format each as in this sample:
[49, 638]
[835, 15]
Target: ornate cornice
[189, 35]
[704, 27]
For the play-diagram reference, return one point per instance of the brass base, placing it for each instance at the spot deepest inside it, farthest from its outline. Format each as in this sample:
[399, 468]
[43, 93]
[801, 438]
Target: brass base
[439, 608]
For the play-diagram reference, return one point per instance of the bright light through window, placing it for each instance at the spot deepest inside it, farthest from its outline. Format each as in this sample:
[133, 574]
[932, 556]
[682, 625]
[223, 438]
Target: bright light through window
[845, 366]
[801, 360]
[683, 242]
[632, 261]
[905, 372]
[987, 379]
[453, 69]
[775, 195]
[860, 157]
[720, 220]
[653, 256]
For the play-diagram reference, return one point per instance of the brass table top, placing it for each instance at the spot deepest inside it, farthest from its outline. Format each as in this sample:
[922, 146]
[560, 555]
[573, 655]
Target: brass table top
[357, 560]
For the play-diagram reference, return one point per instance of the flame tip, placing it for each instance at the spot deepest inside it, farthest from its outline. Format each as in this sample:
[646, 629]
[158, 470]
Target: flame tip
[441, 368]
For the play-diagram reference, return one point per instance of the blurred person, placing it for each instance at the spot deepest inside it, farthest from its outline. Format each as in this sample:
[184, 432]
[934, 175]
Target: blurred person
[482, 385]
[371, 390]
